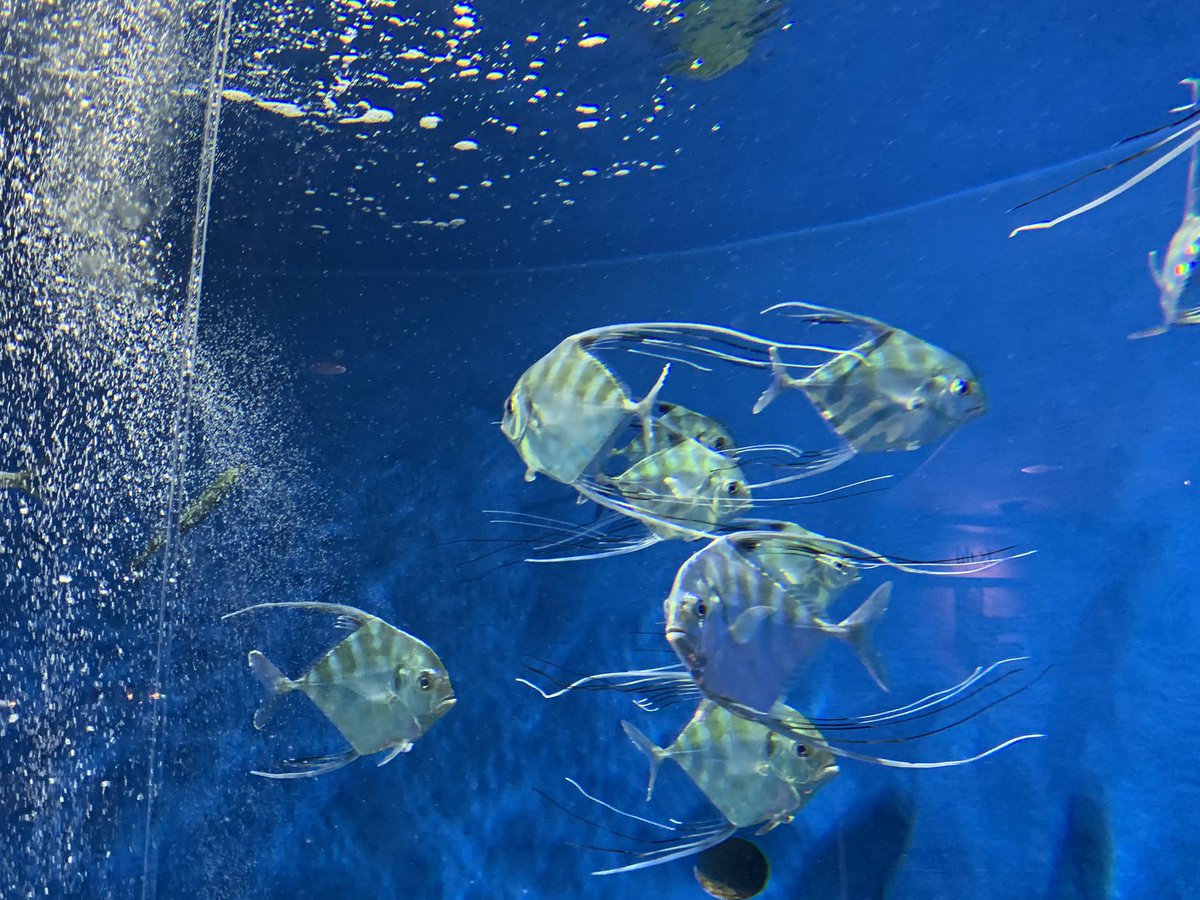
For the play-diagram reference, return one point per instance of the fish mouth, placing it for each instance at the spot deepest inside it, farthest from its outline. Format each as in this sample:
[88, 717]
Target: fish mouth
[445, 705]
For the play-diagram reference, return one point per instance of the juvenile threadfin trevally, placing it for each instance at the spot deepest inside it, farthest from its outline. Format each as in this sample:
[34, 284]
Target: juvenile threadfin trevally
[891, 392]
[380, 686]
[743, 636]
[672, 425]
[566, 409]
[751, 774]
[798, 558]
[1182, 253]
[681, 490]
[195, 513]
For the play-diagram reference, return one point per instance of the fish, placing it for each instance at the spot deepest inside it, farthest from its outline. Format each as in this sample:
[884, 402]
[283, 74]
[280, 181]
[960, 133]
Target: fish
[742, 636]
[382, 688]
[683, 490]
[1189, 133]
[24, 481]
[718, 35]
[892, 392]
[195, 513]
[674, 423]
[752, 775]
[566, 411]
[1175, 273]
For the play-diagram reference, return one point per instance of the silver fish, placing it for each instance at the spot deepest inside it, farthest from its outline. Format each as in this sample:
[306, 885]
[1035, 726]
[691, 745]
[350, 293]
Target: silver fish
[195, 512]
[566, 409]
[380, 686]
[1182, 254]
[892, 392]
[801, 559]
[742, 635]
[673, 424]
[752, 775]
[682, 490]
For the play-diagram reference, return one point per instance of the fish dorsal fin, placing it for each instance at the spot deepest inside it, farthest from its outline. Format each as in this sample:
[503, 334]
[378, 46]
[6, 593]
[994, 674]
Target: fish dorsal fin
[747, 624]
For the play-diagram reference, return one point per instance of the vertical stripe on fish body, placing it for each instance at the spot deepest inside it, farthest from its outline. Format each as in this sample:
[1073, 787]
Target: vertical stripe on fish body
[672, 425]
[751, 774]
[894, 392]
[740, 634]
[564, 412]
[688, 484]
[743, 636]
[380, 686]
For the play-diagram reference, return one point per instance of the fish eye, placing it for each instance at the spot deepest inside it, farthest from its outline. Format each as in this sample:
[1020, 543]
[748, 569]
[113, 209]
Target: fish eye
[510, 405]
[960, 386]
[733, 488]
[719, 443]
[701, 609]
[424, 682]
[801, 750]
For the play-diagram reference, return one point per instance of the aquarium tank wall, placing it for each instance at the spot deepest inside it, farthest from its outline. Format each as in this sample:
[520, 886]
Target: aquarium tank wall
[623, 448]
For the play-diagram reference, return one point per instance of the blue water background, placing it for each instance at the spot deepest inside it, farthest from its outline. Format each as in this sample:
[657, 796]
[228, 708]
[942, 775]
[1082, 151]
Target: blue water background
[405, 456]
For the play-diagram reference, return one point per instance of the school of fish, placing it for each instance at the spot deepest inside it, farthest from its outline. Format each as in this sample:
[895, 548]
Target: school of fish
[748, 612]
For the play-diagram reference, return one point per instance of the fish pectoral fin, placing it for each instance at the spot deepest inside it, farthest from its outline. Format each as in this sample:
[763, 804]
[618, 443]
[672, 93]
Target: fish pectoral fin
[312, 766]
[747, 624]
[397, 749]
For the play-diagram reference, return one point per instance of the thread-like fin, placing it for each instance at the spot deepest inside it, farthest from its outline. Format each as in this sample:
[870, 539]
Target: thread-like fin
[336, 609]
[653, 752]
[1148, 332]
[274, 683]
[856, 630]
[310, 768]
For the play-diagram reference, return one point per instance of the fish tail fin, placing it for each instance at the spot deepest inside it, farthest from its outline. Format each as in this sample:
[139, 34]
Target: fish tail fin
[780, 381]
[646, 406]
[274, 683]
[653, 752]
[857, 632]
